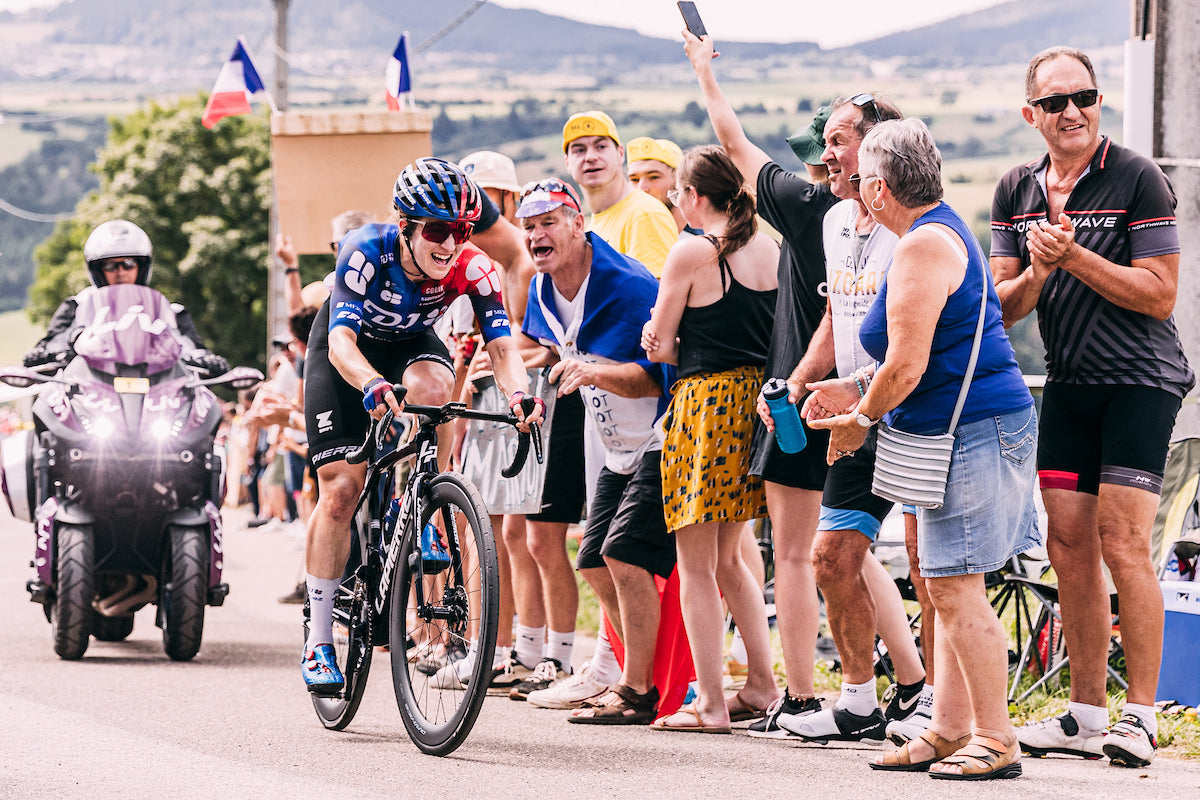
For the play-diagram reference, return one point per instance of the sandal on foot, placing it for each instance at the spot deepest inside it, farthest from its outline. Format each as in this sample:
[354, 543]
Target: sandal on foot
[741, 711]
[687, 719]
[982, 759]
[901, 759]
[620, 705]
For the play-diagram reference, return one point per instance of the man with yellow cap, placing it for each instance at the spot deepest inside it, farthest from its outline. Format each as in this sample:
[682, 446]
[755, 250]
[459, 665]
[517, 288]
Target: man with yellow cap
[652, 165]
[630, 220]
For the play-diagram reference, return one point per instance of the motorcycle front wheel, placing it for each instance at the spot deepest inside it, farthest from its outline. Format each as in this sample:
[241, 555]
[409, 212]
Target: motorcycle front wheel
[185, 592]
[71, 614]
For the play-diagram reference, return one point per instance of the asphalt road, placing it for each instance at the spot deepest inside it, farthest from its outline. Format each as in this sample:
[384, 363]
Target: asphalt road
[237, 723]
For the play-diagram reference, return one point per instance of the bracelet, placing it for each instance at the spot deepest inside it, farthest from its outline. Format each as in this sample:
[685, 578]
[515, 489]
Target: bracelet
[290, 270]
[862, 391]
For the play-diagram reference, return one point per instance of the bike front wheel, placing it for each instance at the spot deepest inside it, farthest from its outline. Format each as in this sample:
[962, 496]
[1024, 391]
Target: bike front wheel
[434, 608]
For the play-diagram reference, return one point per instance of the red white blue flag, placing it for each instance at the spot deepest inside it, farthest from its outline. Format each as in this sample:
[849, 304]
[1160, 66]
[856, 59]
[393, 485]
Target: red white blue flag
[399, 79]
[231, 93]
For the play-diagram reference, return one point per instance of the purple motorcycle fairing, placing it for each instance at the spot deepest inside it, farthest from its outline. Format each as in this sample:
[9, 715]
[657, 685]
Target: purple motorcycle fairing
[43, 557]
[127, 324]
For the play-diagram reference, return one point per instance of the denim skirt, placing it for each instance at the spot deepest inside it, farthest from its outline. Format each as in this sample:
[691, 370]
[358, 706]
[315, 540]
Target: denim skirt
[989, 515]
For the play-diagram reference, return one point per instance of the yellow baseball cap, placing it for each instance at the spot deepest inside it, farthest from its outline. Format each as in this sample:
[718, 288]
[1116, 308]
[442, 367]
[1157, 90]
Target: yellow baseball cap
[589, 123]
[644, 148]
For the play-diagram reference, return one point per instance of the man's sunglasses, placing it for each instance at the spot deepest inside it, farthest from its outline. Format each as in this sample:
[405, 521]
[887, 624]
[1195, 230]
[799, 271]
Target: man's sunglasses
[544, 185]
[119, 263]
[1056, 103]
[438, 231]
[857, 180]
[866, 101]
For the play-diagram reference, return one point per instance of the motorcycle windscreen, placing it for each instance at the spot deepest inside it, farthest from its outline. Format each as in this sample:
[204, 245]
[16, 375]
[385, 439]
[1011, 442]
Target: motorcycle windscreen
[127, 325]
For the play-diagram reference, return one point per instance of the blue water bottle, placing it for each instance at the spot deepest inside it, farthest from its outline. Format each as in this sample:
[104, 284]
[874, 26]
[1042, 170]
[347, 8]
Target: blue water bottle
[434, 555]
[789, 431]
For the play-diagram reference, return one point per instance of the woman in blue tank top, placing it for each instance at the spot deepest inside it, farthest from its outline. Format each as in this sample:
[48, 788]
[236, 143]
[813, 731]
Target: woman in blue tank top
[920, 330]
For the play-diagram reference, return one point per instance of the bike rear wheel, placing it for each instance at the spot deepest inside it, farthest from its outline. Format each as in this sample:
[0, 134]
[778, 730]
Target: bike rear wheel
[460, 602]
[352, 645]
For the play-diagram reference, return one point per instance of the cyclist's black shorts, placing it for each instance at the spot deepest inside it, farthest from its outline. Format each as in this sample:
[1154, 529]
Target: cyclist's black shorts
[1089, 435]
[333, 409]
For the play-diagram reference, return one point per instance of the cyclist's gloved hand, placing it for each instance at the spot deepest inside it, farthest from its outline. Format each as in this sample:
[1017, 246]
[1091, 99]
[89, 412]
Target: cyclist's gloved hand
[374, 391]
[207, 362]
[533, 408]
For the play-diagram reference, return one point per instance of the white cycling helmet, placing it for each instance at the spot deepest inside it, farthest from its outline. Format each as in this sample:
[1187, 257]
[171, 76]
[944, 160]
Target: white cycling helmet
[117, 238]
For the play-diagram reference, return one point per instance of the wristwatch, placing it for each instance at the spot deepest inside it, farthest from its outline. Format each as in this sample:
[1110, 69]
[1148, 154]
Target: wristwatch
[864, 420]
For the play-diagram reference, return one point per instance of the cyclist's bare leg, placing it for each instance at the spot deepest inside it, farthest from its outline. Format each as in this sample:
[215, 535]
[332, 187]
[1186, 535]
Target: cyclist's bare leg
[328, 542]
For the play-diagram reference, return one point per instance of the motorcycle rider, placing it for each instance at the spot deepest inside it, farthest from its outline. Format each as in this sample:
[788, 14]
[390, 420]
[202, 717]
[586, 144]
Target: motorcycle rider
[118, 252]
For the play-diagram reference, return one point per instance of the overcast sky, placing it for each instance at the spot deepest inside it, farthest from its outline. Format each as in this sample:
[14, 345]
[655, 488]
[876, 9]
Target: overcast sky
[831, 24]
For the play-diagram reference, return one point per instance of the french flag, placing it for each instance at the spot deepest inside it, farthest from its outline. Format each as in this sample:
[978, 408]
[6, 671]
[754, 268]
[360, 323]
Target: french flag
[231, 93]
[399, 80]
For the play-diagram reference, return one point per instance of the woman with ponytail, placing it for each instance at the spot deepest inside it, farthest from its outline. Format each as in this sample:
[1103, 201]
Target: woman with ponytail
[713, 319]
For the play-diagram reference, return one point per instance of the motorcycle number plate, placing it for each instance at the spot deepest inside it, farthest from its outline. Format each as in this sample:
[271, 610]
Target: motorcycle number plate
[131, 385]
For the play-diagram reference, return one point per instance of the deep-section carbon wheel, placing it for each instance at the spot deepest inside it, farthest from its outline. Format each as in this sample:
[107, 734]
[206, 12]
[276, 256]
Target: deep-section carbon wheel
[457, 604]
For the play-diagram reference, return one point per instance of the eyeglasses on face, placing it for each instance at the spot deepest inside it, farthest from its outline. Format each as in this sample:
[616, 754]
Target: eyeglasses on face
[866, 101]
[857, 180]
[437, 231]
[1057, 103]
[673, 196]
[113, 264]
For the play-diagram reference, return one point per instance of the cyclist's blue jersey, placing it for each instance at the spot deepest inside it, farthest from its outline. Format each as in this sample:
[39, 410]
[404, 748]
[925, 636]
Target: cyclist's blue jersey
[374, 298]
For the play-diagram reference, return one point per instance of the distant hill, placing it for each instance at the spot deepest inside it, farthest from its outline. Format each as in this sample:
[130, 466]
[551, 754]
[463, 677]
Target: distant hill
[197, 34]
[1007, 33]
[502, 35]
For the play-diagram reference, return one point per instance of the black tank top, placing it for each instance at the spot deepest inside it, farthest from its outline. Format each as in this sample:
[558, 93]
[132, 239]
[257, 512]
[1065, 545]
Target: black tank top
[732, 332]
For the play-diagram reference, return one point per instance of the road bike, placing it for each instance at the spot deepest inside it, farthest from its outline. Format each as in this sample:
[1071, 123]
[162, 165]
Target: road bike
[414, 599]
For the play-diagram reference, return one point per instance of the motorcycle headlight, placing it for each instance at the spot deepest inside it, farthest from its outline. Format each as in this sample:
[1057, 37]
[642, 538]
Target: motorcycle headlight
[160, 429]
[103, 428]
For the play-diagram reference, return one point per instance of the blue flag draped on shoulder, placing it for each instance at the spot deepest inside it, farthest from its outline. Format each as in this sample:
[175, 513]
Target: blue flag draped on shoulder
[236, 83]
[399, 79]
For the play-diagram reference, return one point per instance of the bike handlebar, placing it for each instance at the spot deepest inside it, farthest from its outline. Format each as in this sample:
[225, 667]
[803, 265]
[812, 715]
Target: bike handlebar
[437, 415]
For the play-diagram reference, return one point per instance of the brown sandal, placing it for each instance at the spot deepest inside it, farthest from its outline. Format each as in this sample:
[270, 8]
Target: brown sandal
[901, 760]
[620, 705]
[982, 759]
[741, 711]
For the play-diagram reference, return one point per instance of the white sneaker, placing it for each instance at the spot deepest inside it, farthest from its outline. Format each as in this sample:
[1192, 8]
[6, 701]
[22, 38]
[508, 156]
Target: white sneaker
[901, 729]
[570, 692]
[1060, 735]
[1129, 744]
[454, 675]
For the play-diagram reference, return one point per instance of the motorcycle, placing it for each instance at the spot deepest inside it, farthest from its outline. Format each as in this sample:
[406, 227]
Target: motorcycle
[122, 478]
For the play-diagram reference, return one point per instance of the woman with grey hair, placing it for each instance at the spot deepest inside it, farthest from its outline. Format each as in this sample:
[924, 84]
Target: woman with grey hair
[936, 305]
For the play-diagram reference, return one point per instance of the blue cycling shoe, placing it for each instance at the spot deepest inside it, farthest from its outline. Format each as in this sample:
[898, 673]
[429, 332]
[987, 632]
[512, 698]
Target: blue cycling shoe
[320, 670]
[434, 555]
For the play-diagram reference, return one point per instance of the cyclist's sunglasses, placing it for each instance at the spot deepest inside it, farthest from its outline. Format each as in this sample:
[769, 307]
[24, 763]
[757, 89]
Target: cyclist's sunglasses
[437, 231]
[114, 264]
[1055, 103]
[866, 101]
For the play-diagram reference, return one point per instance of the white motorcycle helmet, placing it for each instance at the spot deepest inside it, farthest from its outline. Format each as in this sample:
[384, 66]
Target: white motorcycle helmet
[117, 238]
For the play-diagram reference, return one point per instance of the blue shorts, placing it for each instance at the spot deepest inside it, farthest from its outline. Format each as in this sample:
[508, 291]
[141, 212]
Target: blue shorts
[989, 515]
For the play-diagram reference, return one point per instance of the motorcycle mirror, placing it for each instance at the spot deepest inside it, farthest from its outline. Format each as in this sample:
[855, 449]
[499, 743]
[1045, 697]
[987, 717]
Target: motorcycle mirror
[237, 378]
[20, 377]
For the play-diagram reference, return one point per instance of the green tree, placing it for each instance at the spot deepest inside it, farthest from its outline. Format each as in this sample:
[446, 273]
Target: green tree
[202, 197]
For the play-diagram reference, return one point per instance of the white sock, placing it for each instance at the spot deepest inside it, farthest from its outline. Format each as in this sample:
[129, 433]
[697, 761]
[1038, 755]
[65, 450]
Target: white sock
[1146, 714]
[322, 593]
[501, 655]
[604, 666]
[559, 647]
[737, 649]
[1091, 719]
[464, 665]
[529, 644]
[925, 701]
[858, 698]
